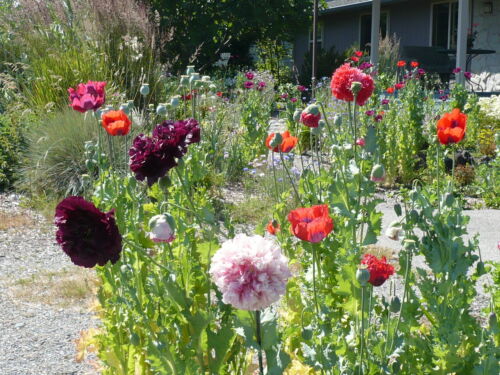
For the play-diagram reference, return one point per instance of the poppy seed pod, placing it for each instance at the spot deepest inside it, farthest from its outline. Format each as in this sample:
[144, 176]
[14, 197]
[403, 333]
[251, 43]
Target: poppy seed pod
[378, 173]
[189, 69]
[362, 276]
[161, 109]
[312, 109]
[296, 115]
[162, 228]
[144, 89]
[125, 108]
[174, 101]
[356, 87]
[184, 81]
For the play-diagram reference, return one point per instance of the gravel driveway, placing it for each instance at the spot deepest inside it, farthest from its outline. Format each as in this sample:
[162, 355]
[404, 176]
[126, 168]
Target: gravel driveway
[43, 303]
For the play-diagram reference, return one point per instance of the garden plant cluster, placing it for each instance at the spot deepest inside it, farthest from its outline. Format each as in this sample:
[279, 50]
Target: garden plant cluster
[289, 279]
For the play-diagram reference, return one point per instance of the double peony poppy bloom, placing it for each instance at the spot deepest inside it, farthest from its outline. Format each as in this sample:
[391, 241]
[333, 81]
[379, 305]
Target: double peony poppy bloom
[311, 224]
[116, 123]
[343, 79]
[250, 271]
[87, 96]
[87, 235]
[451, 127]
[152, 157]
[287, 144]
[379, 269]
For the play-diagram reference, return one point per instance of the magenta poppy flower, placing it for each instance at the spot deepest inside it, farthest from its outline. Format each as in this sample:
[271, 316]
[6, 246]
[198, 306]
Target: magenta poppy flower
[249, 75]
[468, 75]
[457, 70]
[248, 84]
[261, 85]
[293, 100]
[370, 112]
[87, 235]
[87, 96]
[301, 88]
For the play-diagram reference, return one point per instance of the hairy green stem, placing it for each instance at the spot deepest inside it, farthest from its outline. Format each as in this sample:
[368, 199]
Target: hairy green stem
[259, 340]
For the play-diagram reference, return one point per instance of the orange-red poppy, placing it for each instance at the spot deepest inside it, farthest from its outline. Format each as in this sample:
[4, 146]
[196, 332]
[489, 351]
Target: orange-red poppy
[311, 224]
[390, 90]
[414, 64]
[451, 127]
[116, 122]
[401, 63]
[286, 145]
[273, 227]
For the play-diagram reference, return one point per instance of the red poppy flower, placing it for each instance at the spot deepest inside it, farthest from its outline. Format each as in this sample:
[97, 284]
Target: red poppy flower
[87, 96]
[311, 224]
[401, 63]
[310, 119]
[273, 227]
[390, 90]
[399, 86]
[358, 53]
[355, 58]
[342, 80]
[286, 145]
[379, 269]
[116, 123]
[451, 127]
[414, 64]
[220, 94]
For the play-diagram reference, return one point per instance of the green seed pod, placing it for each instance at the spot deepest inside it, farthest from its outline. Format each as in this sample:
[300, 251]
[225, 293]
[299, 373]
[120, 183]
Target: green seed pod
[362, 275]
[161, 109]
[395, 304]
[145, 89]
[296, 115]
[356, 87]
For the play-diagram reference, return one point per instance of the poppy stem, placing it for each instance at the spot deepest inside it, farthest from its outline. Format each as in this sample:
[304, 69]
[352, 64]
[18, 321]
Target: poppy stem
[291, 178]
[259, 340]
[362, 342]
[274, 176]
[437, 178]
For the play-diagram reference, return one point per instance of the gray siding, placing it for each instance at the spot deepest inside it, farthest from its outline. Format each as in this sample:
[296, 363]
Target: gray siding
[409, 20]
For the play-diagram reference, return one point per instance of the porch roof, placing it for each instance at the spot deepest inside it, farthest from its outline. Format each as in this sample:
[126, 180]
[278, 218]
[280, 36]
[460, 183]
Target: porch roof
[338, 5]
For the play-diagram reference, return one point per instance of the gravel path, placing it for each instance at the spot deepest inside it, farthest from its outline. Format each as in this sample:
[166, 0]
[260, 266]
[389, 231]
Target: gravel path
[41, 309]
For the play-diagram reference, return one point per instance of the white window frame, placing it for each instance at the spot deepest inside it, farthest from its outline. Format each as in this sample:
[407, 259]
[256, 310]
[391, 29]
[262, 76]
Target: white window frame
[320, 36]
[431, 23]
[383, 11]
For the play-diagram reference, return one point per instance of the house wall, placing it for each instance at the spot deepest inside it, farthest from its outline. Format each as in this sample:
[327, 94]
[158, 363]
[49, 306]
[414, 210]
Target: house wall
[486, 68]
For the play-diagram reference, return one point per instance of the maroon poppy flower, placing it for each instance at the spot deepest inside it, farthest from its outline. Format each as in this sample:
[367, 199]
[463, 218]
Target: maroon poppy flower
[379, 269]
[152, 157]
[86, 234]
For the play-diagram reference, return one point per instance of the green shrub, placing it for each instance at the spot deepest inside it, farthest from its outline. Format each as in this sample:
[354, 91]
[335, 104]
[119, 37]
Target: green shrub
[55, 154]
[11, 142]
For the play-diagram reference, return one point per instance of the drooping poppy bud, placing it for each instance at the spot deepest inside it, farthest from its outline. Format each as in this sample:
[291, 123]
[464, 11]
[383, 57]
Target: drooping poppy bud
[378, 173]
[162, 228]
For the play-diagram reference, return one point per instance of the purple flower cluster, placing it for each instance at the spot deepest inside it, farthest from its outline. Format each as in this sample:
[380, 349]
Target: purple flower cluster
[86, 234]
[152, 157]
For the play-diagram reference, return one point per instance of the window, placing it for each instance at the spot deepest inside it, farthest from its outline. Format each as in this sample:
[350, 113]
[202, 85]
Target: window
[319, 37]
[365, 32]
[445, 24]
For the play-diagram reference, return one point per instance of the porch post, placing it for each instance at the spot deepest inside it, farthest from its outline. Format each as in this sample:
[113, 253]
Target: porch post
[463, 24]
[375, 32]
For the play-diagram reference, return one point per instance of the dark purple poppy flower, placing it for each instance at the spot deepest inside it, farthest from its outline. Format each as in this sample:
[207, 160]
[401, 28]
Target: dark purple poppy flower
[86, 234]
[152, 157]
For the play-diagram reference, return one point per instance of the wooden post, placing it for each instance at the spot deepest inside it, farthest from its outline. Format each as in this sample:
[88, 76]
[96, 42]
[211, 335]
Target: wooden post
[314, 39]
[375, 32]
[463, 24]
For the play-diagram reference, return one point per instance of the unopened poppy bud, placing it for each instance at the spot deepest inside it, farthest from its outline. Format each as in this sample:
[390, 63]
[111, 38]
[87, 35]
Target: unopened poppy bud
[276, 141]
[161, 109]
[164, 182]
[174, 101]
[356, 87]
[189, 69]
[395, 304]
[394, 230]
[161, 227]
[184, 81]
[296, 115]
[312, 109]
[378, 173]
[337, 120]
[362, 275]
[144, 89]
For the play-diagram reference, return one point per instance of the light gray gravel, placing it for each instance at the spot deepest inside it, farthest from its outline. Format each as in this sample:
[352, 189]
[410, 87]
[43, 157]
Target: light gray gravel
[35, 338]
